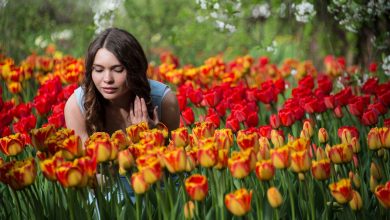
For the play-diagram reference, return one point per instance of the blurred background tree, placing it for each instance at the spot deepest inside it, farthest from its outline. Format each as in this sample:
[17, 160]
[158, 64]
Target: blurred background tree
[197, 29]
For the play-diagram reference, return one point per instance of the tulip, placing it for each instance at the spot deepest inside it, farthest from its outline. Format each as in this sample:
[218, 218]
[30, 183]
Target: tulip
[320, 154]
[189, 210]
[264, 146]
[274, 197]
[223, 158]
[384, 134]
[346, 133]
[323, 136]
[287, 117]
[373, 139]
[180, 137]
[382, 193]
[175, 160]
[133, 131]
[247, 139]
[341, 190]
[370, 117]
[281, 157]
[299, 144]
[277, 139]
[239, 202]
[223, 138]
[48, 167]
[39, 136]
[69, 175]
[233, 124]
[191, 160]
[150, 167]
[356, 202]
[188, 116]
[154, 137]
[197, 187]
[376, 171]
[207, 155]
[22, 173]
[274, 121]
[320, 169]
[300, 161]
[239, 165]
[72, 147]
[101, 148]
[203, 130]
[120, 139]
[265, 170]
[308, 128]
[373, 183]
[355, 145]
[340, 153]
[12, 145]
[138, 183]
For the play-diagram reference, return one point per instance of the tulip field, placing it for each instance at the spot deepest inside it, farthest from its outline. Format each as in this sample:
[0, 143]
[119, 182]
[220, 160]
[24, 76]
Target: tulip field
[257, 140]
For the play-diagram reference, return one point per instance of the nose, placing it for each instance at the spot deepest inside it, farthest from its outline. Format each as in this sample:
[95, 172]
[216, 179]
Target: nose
[108, 78]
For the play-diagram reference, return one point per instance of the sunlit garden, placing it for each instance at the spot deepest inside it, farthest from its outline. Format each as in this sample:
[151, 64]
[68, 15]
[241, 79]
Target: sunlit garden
[284, 111]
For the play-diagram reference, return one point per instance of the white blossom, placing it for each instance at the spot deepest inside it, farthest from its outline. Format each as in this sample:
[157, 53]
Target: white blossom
[386, 65]
[261, 11]
[104, 13]
[304, 12]
[62, 35]
[3, 3]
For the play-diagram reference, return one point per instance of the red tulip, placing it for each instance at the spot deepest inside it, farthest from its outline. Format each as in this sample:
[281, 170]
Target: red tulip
[370, 117]
[188, 116]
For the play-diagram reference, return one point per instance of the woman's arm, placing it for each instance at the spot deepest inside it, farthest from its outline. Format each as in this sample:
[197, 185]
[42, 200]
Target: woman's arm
[170, 113]
[74, 119]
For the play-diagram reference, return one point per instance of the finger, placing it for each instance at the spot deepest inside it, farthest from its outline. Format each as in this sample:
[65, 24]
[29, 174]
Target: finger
[137, 107]
[144, 109]
[155, 115]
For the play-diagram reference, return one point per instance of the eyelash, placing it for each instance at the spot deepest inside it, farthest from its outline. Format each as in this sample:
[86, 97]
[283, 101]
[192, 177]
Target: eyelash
[115, 70]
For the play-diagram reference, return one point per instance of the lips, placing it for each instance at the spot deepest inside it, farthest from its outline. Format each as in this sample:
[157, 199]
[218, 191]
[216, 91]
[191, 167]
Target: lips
[109, 90]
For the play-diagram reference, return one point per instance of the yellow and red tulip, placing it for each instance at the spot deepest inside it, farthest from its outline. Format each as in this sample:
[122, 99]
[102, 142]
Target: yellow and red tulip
[340, 153]
[49, 166]
[382, 193]
[341, 190]
[120, 139]
[125, 160]
[277, 139]
[133, 131]
[150, 167]
[175, 160]
[21, 173]
[12, 145]
[100, 147]
[197, 187]
[320, 169]
[138, 183]
[72, 147]
[239, 165]
[323, 136]
[265, 170]
[180, 137]
[69, 175]
[239, 202]
[207, 155]
[300, 161]
[203, 130]
[39, 136]
[247, 139]
[222, 161]
[356, 202]
[281, 157]
[223, 138]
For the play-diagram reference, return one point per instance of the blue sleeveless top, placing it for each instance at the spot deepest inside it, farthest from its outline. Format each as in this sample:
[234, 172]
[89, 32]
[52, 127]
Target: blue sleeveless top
[157, 91]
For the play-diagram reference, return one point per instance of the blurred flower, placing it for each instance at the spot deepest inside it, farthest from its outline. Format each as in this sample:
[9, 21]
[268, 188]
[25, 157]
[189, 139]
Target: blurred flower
[69, 175]
[188, 116]
[375, 171]
[300, 161]
[274, 121]
[12, 145]
[356, 202]
[239, 164]
[320, 169]
[138, 183]
[277, 139]
[281, 157]
[239, 202]
[323, 136]
[21, 173]
[133, 131]
[341, 190]
[286, 117]
[39, 136]
[340, 153]
[197, 187]
[189, 209]
[274, 197]
[175, 160]
[382, 193]
[265, 170]
[207, 155]
[180, 137]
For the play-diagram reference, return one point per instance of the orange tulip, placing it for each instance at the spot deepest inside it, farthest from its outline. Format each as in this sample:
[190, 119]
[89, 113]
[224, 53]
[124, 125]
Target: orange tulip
[22, 173]
[320, 169]
[175, 160]
[340, 153]
[239, 165]
[274, 197]
[207, 155]
[247, 139]
[150, 167]
[138, 183]
[323, 136]
[48, 167]
[382, 193]
[239, 202]
[341, 191]
[133, 131]
[39, 136]
[223, 138]
[120, 139]
[12, 145]
[300, 161]
[180, 137]
[197, 187]
[125, 160]
[265, 170]
[281, 157]
[69, 175]
[356, 202]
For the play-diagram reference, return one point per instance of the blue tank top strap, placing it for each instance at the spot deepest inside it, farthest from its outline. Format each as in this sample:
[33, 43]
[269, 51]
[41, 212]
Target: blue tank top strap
[157, 92]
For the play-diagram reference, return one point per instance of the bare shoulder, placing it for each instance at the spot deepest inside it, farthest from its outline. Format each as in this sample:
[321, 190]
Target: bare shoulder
[170, 113]
[74, 119]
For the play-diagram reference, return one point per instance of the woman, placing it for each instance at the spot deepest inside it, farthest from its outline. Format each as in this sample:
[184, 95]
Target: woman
[115, 92]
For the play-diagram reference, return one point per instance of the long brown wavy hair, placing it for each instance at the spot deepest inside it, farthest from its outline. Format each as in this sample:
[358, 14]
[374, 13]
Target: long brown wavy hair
[130, 54]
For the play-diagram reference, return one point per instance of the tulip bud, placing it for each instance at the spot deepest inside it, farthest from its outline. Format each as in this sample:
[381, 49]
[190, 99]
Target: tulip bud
[308, 128]
[274, 197]
[373, 139]
[355, 145]
[301, 176]
[189, 209]
[373, 183]
[355, 179]
[138, 183]
[375, 171]
[323, 136]
[263, 153]
[320, 154]
[356, 202]
[277, 139]
[384, 134]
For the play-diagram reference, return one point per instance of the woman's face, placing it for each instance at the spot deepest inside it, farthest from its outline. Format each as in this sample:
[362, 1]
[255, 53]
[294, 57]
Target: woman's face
[109, 75]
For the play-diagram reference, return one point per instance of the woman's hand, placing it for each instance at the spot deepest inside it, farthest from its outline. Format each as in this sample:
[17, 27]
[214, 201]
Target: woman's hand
[139, 113]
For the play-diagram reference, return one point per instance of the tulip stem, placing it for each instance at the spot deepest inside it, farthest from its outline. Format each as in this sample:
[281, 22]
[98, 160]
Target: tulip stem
[290, 192]
[137, 206]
